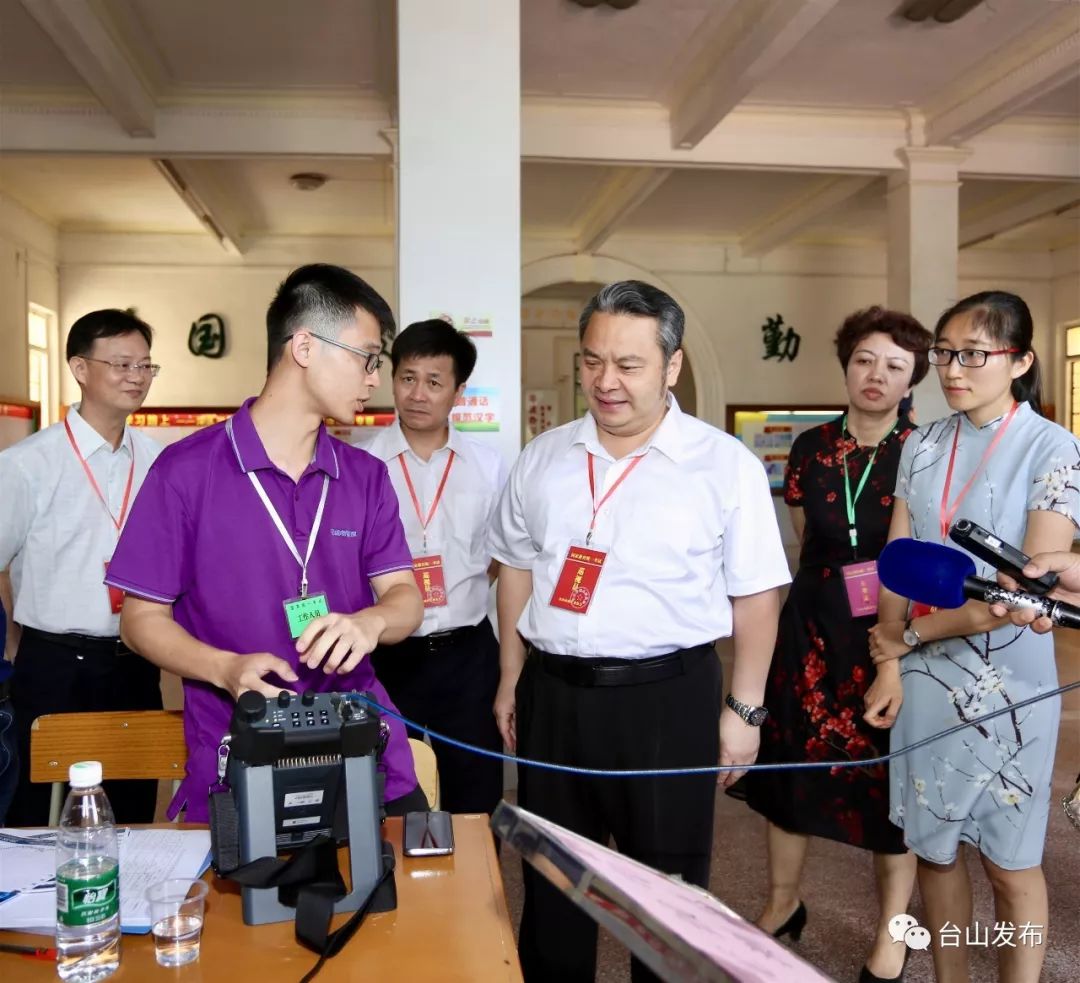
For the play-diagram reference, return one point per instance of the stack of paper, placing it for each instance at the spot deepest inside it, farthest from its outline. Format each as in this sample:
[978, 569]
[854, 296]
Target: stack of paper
[28, 873]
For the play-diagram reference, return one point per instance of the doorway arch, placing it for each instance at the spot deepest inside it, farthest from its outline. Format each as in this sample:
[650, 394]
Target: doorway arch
[580, 268]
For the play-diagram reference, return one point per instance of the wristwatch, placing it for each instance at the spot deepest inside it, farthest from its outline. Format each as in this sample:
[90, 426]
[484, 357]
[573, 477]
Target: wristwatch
[754, 716]
[911, 636]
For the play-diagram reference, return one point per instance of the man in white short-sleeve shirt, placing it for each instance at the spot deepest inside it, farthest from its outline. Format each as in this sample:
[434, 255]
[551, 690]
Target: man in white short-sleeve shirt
[444, 676]
[630, 540]
[66, 492]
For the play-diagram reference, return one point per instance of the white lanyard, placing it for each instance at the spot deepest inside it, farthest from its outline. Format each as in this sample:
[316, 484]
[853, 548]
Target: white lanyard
[284, 533]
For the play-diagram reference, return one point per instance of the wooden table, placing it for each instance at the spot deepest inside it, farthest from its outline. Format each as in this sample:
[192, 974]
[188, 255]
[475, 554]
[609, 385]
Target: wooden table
[451, 924]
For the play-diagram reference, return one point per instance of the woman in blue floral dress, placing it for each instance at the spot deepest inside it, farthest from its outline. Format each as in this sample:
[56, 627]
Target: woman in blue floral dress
[999, 463]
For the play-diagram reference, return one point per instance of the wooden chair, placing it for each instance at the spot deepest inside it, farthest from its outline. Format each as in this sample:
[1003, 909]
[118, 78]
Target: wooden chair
[427, 770]
[129, 744]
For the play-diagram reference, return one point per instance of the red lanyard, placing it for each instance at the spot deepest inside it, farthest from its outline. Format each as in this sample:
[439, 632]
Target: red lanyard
[947, 514]
[424, 523]
[119, 523]
[611, 491]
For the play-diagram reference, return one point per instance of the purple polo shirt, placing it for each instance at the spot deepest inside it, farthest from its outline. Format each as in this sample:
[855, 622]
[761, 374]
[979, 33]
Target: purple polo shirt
[199, 538]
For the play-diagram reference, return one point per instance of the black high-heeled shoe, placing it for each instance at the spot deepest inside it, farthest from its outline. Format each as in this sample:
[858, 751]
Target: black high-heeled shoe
[794, 925]
[865, 976]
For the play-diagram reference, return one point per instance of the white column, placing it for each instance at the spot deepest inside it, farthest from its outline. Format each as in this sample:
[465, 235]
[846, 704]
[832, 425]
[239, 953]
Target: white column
[924, 228]
[459, 198]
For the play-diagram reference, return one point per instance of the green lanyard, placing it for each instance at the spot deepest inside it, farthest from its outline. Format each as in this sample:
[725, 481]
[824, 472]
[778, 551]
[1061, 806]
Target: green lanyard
[849, 502]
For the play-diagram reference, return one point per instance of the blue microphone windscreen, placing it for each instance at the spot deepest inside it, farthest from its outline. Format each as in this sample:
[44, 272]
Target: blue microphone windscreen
[925, 572]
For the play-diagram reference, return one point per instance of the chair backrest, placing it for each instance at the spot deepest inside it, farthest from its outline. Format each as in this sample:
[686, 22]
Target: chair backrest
[427, 770]
[128, 743]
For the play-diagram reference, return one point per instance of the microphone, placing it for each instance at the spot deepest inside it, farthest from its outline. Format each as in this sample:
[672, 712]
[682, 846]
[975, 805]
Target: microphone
[944, 578]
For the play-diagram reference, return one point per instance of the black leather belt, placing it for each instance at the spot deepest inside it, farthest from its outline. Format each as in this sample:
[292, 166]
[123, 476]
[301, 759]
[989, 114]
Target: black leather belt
[620, 672]
[438, 641]
[89, 644]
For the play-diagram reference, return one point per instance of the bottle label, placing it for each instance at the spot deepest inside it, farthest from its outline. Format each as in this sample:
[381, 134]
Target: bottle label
[88, 900]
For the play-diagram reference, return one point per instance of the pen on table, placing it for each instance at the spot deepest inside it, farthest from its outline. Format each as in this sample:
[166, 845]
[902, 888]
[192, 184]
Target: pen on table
[29, 951]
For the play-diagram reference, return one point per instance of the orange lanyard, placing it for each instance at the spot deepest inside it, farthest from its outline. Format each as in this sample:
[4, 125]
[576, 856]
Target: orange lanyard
[948, 513]
[424, 523]
[119, 523]
[611, 491]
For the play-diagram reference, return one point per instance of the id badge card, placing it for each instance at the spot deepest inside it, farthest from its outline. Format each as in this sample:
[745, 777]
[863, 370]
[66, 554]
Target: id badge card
[428, 571]
[116, 595]
[302, 610]
[861, 583]
[576, 586]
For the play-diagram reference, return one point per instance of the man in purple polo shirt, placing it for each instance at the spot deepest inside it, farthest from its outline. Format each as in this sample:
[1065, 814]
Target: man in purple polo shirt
[264, 554]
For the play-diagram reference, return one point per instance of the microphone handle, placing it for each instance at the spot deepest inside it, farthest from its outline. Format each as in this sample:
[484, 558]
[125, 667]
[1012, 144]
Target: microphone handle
[1060, 613]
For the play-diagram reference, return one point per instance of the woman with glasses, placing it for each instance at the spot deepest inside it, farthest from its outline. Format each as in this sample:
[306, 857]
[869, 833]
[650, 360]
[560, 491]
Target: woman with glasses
[838, 488]
[999, 463]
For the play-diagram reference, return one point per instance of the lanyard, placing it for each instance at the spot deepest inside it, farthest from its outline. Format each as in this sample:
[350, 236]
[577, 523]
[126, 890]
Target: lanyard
[118, 522]
[849, 502]
[284, 533]
[947, 513]
[611, 491]
[424, 523]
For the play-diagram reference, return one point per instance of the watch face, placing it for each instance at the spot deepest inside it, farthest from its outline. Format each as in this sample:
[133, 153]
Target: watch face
[758, 716]
[910, 638]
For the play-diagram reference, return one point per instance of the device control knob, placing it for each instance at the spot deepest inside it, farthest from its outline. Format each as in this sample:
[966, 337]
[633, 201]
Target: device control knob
[308, 699]
[283, 699]
[252, 706]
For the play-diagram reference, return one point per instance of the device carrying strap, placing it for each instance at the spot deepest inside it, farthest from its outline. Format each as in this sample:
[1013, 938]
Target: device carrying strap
[309, 880]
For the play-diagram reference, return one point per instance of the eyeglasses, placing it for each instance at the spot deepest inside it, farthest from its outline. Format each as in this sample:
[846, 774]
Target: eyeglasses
[372, 360]
[970, 358]
[126, 367]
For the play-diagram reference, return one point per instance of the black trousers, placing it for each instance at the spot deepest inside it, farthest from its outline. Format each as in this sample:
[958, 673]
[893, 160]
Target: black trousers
[449, 686]
[54, 678]
[665, 822]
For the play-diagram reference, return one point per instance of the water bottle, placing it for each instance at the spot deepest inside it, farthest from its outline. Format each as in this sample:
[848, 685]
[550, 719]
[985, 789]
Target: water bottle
[87, 880]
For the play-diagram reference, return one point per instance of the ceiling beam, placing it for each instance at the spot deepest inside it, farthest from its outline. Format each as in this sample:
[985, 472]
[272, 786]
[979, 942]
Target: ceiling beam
[743, 48]
[1048, 201]
[76, 28]
[1003, 85]
[608, 132]
[786, 223]
[203, 200]
[624, 192]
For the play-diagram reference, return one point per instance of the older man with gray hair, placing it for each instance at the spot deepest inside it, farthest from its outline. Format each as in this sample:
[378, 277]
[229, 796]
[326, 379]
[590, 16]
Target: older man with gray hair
[630, 540]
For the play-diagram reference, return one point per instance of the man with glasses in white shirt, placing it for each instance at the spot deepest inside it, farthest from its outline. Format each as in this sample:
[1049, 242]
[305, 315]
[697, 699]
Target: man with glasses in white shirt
[445, 674]
[67, 491]
[629, 541]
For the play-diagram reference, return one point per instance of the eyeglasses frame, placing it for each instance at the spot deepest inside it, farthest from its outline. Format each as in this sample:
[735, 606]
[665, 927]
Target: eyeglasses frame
[152, 367]
[956, 353]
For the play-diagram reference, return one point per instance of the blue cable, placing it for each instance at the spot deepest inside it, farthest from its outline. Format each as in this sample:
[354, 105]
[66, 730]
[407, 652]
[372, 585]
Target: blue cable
[718, 769]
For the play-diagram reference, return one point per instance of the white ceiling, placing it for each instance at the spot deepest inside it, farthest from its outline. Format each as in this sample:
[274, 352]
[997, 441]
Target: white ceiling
[859, 56]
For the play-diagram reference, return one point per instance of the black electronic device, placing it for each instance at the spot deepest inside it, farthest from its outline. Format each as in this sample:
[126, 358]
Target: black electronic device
[428, 834]
[1000, 555]
[300, 767]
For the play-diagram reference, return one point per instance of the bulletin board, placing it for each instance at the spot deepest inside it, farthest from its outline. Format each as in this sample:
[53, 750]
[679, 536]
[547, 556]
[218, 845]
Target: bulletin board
[769, 431]
[168, 424]
[18, 420]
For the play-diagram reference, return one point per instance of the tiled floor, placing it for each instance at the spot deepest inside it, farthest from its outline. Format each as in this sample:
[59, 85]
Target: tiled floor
[838, 934]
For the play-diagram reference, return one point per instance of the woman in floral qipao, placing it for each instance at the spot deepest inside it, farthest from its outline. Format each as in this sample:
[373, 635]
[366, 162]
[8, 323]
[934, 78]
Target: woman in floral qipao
[999, 463]
[821, 665]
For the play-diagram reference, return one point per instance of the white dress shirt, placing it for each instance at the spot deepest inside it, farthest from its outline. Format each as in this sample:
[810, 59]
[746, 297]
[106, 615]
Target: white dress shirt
[54, 530]
[458, 530]
[691, 526]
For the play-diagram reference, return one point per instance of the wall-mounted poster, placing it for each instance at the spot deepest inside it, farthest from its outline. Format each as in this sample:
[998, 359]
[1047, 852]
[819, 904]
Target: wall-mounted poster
[168, 424]
[477, 409]
[770, 432]
[541, 412]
